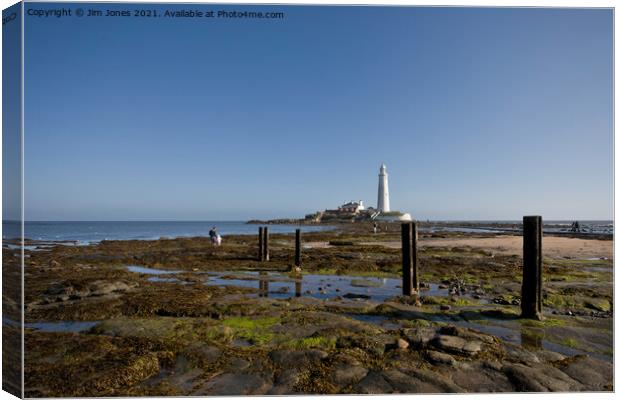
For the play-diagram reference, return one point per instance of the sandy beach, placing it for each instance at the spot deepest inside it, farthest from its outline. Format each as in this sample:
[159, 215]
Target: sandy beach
[553, 246]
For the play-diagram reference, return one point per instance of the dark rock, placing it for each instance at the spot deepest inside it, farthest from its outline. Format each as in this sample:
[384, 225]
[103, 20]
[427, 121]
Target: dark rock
[419, 381]
[419, 337]
[436, 357]
[542, 378]
[549, 356]
[594, 374]
[285, 382]
[481, 377]
[235, 384]
[356, 296]
[373, 383]
[523, 356]
[455, 344]
[465, 333]
[208, 353]
[445, 307]
[443, 383]
[370, 345]
[345, 374]
[238, 364]
[287, 359]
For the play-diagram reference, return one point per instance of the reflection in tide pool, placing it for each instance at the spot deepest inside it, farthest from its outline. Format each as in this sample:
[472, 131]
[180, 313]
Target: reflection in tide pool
[277, 285]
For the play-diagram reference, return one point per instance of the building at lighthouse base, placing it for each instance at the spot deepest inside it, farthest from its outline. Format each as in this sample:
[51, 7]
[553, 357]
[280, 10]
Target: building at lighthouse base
[354, 211]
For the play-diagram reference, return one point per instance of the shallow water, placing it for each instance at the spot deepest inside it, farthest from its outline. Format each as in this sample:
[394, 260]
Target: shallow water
[170, 280]
[62, 326]
[150, 271]
[277, 285]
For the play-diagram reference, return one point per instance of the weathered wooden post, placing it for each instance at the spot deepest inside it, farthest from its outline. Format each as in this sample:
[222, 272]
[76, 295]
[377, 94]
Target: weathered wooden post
[265, 244]
[260, 243]
[407, 262]
[531, 289]
[414, 256]
[298, 247]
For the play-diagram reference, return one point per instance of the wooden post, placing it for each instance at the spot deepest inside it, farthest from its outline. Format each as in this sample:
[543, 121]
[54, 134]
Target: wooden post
[260, 243]
[407, 262]
[531, 289]
[414, 257]
[266, 243]
[298, 247]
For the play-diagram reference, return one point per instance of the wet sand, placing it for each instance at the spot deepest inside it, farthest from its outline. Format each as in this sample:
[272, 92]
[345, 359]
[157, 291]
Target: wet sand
[553, 246]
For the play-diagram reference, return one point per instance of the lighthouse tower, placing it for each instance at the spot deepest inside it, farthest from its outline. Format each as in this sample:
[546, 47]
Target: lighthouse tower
[383, 201]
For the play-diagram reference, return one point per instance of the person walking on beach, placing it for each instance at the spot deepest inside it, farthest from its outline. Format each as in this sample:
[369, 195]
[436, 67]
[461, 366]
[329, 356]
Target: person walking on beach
[213, 235]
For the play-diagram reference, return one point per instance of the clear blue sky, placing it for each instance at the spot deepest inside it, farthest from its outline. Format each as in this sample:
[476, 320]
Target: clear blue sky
[477, 113]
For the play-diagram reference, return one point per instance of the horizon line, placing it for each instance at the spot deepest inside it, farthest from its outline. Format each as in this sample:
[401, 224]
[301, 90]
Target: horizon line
[299, 219]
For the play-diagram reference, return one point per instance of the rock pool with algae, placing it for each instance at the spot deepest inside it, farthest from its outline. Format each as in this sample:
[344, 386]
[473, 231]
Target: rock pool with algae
[181, 317]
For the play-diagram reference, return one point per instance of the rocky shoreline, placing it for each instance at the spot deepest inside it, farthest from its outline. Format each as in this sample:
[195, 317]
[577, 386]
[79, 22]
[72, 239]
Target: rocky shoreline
[195, 319]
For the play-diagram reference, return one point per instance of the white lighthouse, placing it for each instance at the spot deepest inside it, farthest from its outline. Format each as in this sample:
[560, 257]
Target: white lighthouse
[383, 201]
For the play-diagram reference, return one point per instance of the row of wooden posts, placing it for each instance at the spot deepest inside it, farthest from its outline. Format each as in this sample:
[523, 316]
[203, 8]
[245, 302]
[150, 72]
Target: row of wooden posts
[531, 289]
[263, 245]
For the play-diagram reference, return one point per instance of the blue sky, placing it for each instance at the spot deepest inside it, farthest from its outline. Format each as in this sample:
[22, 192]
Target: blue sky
[477, 113]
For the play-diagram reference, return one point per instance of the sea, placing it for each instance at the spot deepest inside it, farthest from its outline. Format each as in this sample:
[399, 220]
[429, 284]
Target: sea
[86, 232]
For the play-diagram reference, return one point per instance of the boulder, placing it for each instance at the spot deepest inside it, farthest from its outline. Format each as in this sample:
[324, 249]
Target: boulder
[235, 384]
[437, 358]
[345, 374]
[295, 359]
[373, 383]
[541, 378]
[455, 344]
[419, 338]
